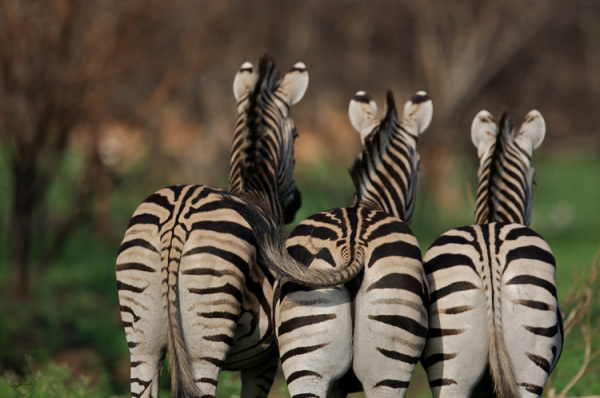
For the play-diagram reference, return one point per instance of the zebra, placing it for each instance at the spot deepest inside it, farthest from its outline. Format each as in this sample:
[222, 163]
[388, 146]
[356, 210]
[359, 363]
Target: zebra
[495, 327]
[188, 281]
[377, 322]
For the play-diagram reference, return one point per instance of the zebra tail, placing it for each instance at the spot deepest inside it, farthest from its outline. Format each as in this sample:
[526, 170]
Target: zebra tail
[276, 257]
[182, 378]
[271, 251]
[503, 377]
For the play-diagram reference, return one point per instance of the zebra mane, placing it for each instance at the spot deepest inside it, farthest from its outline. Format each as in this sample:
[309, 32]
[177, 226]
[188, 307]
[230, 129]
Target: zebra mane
[486, 208]
[251, 153]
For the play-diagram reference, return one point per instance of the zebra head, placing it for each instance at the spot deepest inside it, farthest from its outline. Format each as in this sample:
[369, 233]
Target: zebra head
[385, 172]
[262, 158]
[505, 171]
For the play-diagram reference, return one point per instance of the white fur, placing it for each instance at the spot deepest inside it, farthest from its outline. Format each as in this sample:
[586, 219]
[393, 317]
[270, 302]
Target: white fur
[294, 84]
[483, 132]
[363, 116]
[532, 132]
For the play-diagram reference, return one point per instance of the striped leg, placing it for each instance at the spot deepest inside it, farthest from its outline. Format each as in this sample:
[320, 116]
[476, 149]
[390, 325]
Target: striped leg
[529, 303]
[145, 325]
[210, 300]
[257, 380]
[314, 332]
[456, 354]
[391, 325]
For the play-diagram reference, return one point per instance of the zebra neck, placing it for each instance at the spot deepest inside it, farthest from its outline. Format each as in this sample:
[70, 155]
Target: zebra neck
[257, 180]
[385, 175]
[505, 179]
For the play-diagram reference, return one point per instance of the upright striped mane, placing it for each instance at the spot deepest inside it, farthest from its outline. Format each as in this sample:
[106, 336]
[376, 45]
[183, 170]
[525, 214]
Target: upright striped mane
[375, 146]
[490, 167]
[251, 153]
[505, 172]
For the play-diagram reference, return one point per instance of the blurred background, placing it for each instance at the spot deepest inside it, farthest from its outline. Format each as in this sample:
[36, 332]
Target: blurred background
[102, 102]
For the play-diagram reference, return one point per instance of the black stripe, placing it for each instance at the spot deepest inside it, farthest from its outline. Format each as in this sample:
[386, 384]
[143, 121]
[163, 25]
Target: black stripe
[451, 239]
[124, 308]
[530, 252]
[319, 232]
[395, 249]
[225, 289]
[436, 358]
[516, 233]
[392, 383]
[402, 322]
[215, 361]
[447, 260]
[536, 305]
[389, 228]
[302, 321]
[398, 356]
[546, 332]
[301, 350]
[302, 373]
[533, 280]
[400, 281]
[134, 266]
[437, 332]
[219, 315]
[226, 255]
[441, 383]
[130, 288]
[221, 338]
[226, 227]
[539, 361]
[137, 243]
[144, 218]
[451, 288]
[532, 388]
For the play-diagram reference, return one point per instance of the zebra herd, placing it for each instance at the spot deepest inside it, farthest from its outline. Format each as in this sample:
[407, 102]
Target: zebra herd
[208, 278]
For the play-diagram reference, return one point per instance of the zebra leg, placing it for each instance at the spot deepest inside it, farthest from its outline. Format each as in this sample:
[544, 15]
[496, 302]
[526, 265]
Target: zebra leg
[257, 380]
[532, 334]
[456, 354]
[210, 294]
[142, 312]
[390, 326]
[314, 332]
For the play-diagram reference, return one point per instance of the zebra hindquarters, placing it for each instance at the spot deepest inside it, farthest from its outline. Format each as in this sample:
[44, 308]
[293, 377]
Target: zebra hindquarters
[456, 354]
[532, 324]
[314, 335]
[390, 313]
[140, 289]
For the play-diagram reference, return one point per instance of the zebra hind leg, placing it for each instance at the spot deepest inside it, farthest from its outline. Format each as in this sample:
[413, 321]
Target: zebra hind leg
[257, 380]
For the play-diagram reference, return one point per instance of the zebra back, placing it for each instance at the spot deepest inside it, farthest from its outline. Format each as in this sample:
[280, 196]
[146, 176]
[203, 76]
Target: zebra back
[505, 171]
[262, 153]
[385, 173]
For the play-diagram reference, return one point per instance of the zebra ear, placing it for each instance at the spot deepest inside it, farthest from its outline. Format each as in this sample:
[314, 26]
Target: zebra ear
[294, 84]
[532, 132]
[483, 132]
[363, 114]
[244, 80]
[418, 112]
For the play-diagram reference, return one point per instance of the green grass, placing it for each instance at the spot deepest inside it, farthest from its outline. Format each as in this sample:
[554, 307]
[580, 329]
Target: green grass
[74, 310]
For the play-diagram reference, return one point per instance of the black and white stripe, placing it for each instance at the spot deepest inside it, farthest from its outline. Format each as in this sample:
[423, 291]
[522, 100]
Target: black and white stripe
[188, 280]
[495, 327]
[369, 333]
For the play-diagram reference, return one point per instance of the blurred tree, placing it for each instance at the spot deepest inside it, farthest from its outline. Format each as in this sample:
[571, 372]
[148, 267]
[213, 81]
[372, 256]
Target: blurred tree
[69, 67]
